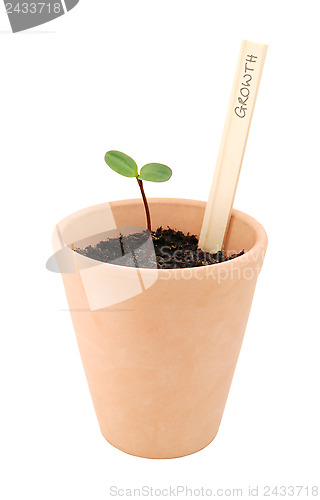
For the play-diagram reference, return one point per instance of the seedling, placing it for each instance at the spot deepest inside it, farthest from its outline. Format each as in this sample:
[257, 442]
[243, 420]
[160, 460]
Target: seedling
[124, 165]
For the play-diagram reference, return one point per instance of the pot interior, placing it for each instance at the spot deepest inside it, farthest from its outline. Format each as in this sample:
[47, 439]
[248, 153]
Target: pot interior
[91, 225]
[186, 216]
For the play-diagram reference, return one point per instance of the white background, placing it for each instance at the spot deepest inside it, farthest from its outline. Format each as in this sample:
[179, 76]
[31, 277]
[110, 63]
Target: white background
[153, 79]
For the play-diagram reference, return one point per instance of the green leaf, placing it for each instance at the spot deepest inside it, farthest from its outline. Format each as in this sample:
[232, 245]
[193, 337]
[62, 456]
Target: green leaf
[155, 172]
[121, 163]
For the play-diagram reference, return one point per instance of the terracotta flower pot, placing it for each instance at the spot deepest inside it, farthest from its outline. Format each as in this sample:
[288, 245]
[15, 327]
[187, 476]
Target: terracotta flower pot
[159, 347]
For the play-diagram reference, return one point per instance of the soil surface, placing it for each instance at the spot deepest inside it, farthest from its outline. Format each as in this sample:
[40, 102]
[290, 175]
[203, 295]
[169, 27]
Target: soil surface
[171, 249]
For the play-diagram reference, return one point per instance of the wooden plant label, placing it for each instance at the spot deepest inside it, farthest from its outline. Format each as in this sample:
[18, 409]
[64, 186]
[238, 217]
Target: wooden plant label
[233, 143]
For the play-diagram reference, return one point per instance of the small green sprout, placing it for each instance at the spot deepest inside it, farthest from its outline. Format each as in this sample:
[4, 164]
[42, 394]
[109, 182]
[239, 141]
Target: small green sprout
[124, 165]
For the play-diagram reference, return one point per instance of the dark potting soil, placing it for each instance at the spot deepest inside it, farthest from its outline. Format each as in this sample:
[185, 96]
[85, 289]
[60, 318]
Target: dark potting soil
[171, 249]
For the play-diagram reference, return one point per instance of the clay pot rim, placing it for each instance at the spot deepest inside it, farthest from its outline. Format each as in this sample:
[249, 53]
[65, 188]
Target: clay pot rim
[252, 254]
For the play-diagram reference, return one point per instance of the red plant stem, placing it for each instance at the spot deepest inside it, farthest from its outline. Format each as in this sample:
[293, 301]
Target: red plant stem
[146, 206]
